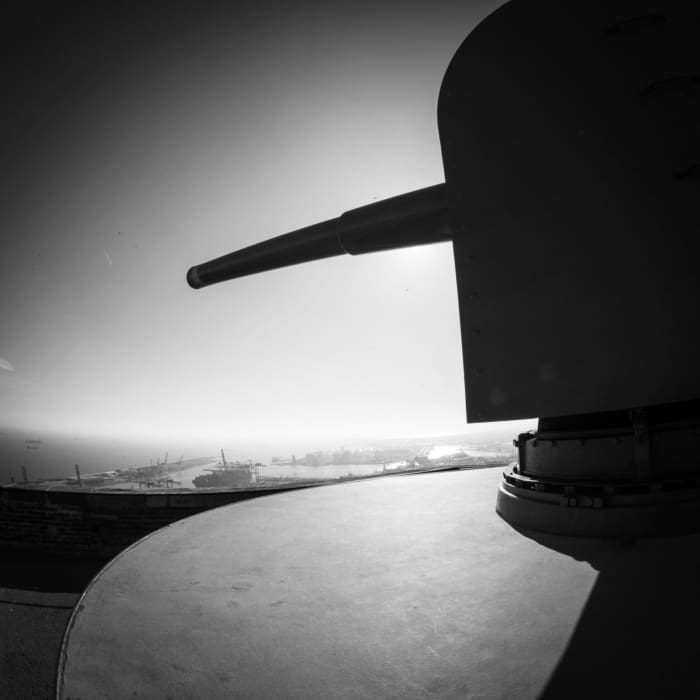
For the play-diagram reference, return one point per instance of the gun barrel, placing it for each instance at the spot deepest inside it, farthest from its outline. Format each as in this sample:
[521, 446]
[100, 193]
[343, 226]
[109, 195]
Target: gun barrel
[310, 243]
[416, 218]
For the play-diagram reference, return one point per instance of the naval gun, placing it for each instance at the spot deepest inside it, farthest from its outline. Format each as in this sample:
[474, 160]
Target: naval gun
[570, 136]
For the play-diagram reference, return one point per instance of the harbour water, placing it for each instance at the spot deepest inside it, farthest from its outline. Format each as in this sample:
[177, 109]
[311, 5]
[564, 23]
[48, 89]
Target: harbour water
[47, 456]
[53, 456]
[183, 478]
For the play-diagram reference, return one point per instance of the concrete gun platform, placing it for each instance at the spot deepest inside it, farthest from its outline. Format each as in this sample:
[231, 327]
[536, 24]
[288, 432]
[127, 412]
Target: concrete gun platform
[405, 587]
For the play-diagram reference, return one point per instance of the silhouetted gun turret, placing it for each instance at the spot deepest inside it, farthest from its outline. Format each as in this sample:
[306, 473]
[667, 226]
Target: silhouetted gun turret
[570, 136]
[410, 219]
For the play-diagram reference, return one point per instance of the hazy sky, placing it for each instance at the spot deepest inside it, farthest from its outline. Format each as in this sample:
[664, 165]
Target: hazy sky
[142, 138]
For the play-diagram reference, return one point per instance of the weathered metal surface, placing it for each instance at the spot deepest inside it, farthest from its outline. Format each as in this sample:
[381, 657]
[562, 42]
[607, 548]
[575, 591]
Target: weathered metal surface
[571, 135]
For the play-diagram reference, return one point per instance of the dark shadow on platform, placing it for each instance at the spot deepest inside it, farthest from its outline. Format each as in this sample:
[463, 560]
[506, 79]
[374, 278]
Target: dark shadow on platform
[35, 571]
[639, 632]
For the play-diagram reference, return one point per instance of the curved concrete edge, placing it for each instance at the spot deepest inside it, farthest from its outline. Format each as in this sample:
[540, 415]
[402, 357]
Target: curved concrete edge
[653, 520]
[91, 522]
[63, 651]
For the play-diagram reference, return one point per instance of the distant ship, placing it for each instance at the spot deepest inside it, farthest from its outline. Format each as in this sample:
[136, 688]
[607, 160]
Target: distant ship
[235, 477]
[229, 475]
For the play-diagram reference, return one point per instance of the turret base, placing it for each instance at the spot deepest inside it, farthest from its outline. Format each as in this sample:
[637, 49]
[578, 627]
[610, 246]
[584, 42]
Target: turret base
[586, 509]
[623, 474]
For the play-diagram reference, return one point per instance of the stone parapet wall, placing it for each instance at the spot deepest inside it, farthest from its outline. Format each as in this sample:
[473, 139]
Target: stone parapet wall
[90, 521]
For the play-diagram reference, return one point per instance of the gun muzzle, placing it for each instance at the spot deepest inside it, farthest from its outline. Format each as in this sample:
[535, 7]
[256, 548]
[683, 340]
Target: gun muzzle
[416, 218]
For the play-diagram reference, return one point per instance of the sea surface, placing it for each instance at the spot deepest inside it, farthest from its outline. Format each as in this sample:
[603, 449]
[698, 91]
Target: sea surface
[281, 471]
[54, 456]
